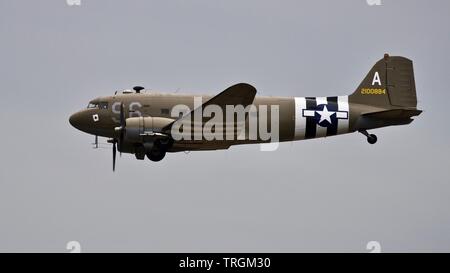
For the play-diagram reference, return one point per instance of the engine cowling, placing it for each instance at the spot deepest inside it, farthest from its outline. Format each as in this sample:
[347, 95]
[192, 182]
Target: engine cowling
[140, 128]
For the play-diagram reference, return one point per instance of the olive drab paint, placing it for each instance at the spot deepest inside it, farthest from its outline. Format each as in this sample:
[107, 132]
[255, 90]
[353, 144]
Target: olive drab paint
[152, 124]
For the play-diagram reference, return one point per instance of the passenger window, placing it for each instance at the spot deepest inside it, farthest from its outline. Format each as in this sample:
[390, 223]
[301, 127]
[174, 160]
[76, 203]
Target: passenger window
[165, 111]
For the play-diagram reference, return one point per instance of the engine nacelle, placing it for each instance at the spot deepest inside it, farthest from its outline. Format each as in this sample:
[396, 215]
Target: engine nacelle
[140, 128]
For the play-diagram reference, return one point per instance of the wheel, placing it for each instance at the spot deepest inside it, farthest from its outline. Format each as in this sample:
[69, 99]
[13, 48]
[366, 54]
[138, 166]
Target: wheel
[156, 154]
[372, 139]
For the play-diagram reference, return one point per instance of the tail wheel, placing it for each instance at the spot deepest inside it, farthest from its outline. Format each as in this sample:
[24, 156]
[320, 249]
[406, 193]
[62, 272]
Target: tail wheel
[372, 139]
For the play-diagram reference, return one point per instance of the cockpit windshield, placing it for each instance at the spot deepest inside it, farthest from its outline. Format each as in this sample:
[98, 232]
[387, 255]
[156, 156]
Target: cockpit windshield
[98, 105]
[92, 105]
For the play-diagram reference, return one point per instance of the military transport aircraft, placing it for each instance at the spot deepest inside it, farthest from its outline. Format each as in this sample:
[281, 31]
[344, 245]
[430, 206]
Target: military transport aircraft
[144, 123]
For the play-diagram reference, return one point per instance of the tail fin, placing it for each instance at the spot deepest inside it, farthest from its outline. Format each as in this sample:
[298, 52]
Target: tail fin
[389, 84]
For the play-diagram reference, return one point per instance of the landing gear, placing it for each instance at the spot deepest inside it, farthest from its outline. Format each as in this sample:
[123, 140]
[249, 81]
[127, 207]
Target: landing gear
[139, 152]
[157, 152]
[371, 138]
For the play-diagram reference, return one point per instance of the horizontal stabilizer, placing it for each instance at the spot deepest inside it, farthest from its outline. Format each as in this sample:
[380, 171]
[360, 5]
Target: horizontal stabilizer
[394, 114]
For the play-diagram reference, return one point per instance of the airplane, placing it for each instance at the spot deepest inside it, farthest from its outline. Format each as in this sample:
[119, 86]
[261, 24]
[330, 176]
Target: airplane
[142, 122]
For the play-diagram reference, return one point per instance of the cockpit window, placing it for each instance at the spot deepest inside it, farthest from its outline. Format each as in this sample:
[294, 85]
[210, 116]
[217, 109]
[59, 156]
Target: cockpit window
[103, 105]
[98, 105]
[92, 105]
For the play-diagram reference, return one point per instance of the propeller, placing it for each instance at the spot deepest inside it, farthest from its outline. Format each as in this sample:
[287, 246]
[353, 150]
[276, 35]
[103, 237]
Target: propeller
[123, 124]
[120, 139]
[114, 155]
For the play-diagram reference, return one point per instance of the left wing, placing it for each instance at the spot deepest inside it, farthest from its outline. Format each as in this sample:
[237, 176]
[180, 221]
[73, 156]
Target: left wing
[238, 94]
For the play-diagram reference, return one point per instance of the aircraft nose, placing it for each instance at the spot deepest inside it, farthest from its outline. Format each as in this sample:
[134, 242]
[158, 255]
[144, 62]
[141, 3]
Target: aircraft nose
[76, 120]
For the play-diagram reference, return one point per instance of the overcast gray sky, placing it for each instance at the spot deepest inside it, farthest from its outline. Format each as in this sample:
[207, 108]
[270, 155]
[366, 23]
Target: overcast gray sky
[333, 194]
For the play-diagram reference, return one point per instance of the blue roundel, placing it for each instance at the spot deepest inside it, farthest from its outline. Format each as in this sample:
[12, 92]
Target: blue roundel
[325, 115]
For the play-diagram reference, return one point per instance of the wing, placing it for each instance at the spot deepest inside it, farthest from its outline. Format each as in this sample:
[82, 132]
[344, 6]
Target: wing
[238, 94]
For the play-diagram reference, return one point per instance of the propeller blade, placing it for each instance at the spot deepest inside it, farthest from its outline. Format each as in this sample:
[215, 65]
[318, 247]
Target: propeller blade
[114, 156]
[122, 116]
[123, 124]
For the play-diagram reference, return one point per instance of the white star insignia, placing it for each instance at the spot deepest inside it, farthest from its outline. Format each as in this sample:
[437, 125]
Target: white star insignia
[325, 114]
